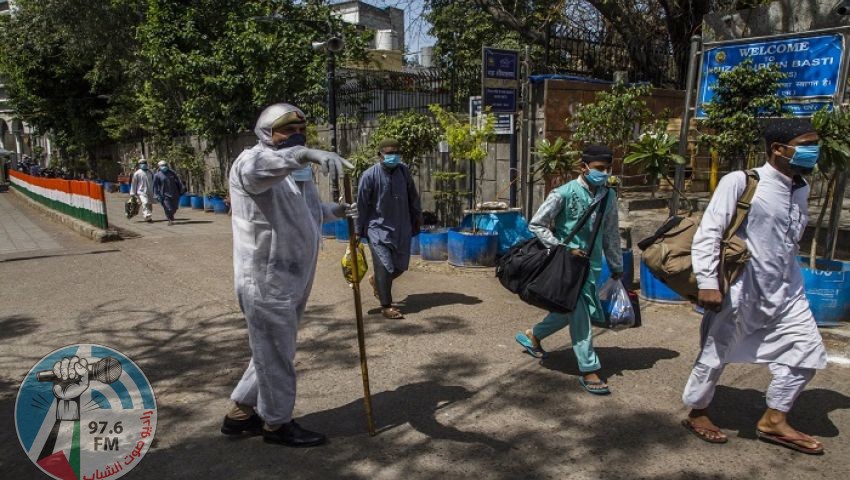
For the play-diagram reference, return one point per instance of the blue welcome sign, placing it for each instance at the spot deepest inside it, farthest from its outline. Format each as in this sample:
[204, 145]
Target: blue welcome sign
[812, 66]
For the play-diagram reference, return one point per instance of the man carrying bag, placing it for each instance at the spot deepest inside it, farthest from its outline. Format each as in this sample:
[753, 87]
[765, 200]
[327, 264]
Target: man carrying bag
[574, 220]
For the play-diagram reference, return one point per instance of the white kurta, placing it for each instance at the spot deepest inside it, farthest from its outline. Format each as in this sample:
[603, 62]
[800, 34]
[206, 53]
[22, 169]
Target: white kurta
[766, 317]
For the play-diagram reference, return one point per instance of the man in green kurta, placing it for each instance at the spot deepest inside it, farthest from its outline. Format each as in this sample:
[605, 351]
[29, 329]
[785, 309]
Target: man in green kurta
[552, 224]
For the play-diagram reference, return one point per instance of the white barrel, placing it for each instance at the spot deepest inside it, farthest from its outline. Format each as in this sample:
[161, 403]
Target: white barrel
[385, 40]
[426, 57]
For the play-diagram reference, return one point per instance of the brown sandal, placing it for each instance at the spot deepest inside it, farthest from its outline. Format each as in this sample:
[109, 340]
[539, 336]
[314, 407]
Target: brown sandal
[392, 313]
[700, 432]
[792, 442]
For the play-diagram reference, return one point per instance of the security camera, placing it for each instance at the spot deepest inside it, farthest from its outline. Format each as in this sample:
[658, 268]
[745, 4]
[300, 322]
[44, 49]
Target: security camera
[333, 44]
[843, 7]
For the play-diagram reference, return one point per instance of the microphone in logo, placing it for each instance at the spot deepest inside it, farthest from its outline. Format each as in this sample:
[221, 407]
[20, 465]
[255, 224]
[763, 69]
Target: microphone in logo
[106, 370]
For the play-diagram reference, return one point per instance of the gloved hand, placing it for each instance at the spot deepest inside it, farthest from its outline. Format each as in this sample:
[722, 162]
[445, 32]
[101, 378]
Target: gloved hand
[345, 210]
[331, 163]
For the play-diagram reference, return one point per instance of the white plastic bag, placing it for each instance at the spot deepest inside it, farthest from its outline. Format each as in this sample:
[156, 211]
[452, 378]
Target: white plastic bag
[619, 313]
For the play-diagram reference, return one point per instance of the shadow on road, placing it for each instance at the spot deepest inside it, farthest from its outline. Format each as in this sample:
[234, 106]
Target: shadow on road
[740, 409]
[17, 326]
[615, 360]
[419, 302]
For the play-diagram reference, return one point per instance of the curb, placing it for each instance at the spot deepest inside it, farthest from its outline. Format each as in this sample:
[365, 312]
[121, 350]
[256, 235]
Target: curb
[84, 229]
[841, 334]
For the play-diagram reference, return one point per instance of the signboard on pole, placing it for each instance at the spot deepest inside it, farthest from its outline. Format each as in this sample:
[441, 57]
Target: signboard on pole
[504, 123]
[812, 64]
[500, 79]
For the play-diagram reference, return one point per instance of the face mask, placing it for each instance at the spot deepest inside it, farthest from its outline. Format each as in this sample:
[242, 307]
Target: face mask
[303, 175]
[163, 168]
[596, 178]
[294, 140]
[805, 156]
[144, 167]
[392, 159]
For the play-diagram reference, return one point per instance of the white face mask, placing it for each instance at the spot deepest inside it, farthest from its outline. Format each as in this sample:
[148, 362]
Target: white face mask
[303, 175]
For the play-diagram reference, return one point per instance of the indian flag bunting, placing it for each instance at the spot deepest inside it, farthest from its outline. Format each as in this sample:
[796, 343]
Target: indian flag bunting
[82, 200]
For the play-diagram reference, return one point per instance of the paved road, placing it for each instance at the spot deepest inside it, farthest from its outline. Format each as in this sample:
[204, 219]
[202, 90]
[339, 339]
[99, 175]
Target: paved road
[17, 232]
[453, 395]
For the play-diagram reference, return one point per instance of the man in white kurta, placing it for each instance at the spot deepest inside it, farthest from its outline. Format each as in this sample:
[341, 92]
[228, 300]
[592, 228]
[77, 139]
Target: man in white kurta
[765, 317]
[141, 186]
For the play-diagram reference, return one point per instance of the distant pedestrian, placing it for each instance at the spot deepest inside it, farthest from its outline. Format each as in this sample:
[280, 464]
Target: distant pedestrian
[141, 187]
[167, 189]
[390, 215]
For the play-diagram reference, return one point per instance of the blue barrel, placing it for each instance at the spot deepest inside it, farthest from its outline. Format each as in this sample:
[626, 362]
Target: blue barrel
[208, 206]
[828, 291]
[218, 205]
[124, 188]
[467, 249]
[186, 200]
[329, 229]
[510, 225]
[628, 270]
[342, 230]
[433, 245]
[197, 202]
[654, 290]
[107, 186]
[414, 245]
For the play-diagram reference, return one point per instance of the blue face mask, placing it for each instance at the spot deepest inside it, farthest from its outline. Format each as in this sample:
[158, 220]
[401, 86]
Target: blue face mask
[163, 168]
[303, 175]
[805, 156]
[294, 140]
[391, 159]
[596, 178]
[144, 166]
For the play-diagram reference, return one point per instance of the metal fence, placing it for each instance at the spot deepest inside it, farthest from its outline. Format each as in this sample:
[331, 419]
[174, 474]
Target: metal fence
[597, 52]
[362, 95]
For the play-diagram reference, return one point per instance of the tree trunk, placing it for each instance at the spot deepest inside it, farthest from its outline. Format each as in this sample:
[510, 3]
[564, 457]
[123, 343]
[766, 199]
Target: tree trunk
[821, 215]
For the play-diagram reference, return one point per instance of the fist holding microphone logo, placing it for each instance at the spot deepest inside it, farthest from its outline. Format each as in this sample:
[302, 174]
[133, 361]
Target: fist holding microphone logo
[85, 412]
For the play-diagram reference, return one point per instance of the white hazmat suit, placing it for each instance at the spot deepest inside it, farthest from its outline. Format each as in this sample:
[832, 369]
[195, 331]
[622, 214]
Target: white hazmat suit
[141, 186]
[276, 235]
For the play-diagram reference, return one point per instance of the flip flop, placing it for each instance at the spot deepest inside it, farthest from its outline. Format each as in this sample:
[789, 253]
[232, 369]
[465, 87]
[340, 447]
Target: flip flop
[596, 391]
[698, 431]
[789, 442]
[392, 313]
[525, 342]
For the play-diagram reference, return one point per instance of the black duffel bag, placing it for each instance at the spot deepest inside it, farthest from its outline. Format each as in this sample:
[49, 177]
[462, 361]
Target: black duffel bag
[555, 276]
[520, 264]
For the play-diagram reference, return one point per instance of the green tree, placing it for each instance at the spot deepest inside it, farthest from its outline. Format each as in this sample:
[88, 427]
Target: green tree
[416, 133]
[833, 127]
[65, 68]
[742, 96]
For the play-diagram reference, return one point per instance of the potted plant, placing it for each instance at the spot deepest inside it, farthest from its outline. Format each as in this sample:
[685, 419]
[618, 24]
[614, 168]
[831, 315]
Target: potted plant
[556, 161]
[655, 154]
[470, 247]
[826, 279]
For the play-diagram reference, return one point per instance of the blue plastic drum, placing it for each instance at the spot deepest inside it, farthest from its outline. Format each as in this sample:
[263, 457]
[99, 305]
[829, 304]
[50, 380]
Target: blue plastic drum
[433, 245]
[654, 290]
[828, 291]
[414, 245]
[342, 230]
[329, 229]
[186, 200]
[124, 188]
[466, 249]
[197, 202]
[218, 205]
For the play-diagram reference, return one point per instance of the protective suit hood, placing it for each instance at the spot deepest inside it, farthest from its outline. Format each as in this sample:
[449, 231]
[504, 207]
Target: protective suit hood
[263, 128]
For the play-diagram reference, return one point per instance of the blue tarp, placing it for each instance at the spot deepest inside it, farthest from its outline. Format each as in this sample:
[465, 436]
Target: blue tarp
[511, 226]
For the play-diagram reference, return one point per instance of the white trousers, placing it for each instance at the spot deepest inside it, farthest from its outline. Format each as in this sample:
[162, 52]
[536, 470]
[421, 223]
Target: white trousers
[147, 206]
[786, 386]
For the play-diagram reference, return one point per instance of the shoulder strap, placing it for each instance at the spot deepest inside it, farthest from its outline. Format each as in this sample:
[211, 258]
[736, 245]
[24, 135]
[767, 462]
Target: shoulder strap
[743, 206]
[595, 206]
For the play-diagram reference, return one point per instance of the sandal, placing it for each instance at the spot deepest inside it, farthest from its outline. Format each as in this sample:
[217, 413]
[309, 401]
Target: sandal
[528, 345]
[601, 386]
[374, 287]
[700, 432]
[392, 313]
[791, 442]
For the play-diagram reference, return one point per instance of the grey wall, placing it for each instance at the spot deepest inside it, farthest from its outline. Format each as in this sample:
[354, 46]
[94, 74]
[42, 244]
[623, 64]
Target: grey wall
[781, 16]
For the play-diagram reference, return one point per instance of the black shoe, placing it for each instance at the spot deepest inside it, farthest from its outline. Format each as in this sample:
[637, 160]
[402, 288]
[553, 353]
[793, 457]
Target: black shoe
[253, 425]
[292, 435]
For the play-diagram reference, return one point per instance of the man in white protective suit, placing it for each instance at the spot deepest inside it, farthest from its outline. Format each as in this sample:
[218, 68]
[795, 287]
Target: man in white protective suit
[277, 217]
[764, 317]
[141, 186]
